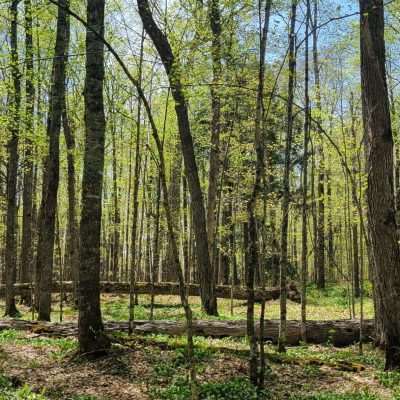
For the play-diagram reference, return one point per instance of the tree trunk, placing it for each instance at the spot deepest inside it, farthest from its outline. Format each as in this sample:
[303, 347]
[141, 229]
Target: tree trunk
[91, 330]
[47, 220]
[214, 170]
[175, 202]
[356, 261]
[320, 239]
[73, 231]
[116, 216]
[172, 68]
[12, 166]
[27, 245]
[286, 181]
[380, 190]
[304, 227]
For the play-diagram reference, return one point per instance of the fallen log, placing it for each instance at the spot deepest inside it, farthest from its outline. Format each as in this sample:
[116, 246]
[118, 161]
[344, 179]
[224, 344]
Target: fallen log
[338, 333]
[167, 288]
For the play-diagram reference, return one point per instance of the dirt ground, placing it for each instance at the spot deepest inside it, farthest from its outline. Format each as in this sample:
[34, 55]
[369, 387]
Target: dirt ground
[134, 368]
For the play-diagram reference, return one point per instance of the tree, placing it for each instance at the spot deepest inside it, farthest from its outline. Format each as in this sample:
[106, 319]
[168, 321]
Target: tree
[304, 220]
[286, 177]
[380, 191]
[319, 257]
[27, 245]
[14, 104]
[51, 174]
[172, 68]
[214, 170]
[91, 331]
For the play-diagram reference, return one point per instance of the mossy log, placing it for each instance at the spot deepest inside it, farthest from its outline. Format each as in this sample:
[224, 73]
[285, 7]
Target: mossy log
[339, 333]
[167, 288]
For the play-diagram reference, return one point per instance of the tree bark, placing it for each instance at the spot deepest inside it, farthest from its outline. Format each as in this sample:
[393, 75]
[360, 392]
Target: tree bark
[286, 180]
[73, 230]
[304, 227]
[380, 190]
[214, 170]
[27, 245]
[47, 220]
[12, 166]
[91, 331]
[320, 239]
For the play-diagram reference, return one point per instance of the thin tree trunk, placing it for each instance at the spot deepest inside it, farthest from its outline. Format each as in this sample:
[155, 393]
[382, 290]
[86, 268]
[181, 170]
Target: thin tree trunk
[286, 183]
[320, 240]
[12, 166]
[73, 230]
[27, 238]
[356, 261]
[136, 174]
[214, 170]
[172, 68]
[116, 217]
[304, 226]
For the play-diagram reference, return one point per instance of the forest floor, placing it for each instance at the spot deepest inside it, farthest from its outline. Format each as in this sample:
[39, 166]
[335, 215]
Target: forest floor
[153, 367]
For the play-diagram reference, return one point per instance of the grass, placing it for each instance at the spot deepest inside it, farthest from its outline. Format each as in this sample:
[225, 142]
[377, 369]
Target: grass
[327, 304]
[156, 364]
[234, 389]
[61, 346]
[334, 396]
[8, 391]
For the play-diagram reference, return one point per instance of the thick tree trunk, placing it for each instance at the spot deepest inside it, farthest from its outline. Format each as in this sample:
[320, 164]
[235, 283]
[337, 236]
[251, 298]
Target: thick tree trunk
[380, 190]
[91, 331]
[172, 69]
[45, 250]
[12, 167]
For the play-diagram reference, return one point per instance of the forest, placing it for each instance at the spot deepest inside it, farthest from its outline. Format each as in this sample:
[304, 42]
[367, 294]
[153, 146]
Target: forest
[200, 199]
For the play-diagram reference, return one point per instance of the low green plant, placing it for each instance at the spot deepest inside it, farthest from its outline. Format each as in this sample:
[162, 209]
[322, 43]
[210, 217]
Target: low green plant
[389, 379]
[235, 389]
[335, 396]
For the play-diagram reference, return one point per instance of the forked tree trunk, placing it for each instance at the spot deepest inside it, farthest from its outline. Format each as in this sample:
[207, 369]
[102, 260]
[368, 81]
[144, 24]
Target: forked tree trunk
[380, 191]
